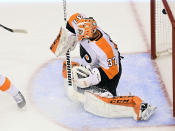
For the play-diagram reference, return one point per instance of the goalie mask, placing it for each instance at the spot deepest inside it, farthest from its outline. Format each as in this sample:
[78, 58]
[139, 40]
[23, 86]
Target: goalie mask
[86, 27]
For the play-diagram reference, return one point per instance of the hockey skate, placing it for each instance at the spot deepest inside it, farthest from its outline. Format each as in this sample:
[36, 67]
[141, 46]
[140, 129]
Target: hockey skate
[20, 100]
[146, 111]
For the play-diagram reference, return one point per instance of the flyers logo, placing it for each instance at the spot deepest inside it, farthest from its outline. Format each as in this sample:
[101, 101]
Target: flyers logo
[84, 54]
[87, 57]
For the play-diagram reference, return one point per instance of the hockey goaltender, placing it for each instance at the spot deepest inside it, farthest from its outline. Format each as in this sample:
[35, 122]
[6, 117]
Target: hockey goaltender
[92, 79]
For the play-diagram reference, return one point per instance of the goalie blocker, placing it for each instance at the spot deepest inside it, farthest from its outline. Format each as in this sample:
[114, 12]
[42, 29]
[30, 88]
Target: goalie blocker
[63, 42]
[102, 103]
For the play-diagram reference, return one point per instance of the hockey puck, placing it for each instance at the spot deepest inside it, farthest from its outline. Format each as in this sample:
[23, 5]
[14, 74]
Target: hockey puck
[164, 11]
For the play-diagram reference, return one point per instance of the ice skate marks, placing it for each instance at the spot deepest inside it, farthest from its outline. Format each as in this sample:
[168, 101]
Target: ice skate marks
[139, 78]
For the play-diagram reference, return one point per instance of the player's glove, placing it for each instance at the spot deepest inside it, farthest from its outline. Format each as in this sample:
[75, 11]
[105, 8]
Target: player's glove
[85, 76]
[64, 41]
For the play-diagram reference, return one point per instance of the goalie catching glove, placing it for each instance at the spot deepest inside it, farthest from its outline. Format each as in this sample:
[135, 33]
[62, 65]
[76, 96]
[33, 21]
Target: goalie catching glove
[85, 76]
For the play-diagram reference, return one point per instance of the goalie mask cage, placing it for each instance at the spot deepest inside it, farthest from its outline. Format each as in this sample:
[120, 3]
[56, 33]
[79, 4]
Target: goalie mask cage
[163, 32]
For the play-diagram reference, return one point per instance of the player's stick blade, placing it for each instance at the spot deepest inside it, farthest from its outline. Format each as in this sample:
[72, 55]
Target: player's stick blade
[20, 31]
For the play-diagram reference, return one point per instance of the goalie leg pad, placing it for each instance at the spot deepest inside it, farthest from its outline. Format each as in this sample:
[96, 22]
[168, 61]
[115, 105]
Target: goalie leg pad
[129, 101]
[73, 94]
[101, 108]
[123, 106]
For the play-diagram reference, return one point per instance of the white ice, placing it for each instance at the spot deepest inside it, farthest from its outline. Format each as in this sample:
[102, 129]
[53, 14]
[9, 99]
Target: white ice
[21, 55]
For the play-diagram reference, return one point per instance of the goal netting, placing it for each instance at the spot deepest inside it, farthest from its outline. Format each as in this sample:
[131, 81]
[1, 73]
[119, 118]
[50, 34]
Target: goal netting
[163, 27]
[163, 32]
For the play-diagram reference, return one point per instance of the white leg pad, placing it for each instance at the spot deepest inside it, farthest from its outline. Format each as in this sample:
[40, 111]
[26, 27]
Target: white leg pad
[73, 94]
[98, 107]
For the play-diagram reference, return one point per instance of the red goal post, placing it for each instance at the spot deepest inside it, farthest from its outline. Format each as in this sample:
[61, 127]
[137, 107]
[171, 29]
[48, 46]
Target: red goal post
[166, 10]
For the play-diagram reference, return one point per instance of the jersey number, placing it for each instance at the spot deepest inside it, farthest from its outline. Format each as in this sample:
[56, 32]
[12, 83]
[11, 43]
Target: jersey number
[112, 62]
[79, 17]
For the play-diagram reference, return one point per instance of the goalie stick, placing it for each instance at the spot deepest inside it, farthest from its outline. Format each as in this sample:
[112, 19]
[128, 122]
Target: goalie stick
[61, 47]
[68, 58]
[14, 30]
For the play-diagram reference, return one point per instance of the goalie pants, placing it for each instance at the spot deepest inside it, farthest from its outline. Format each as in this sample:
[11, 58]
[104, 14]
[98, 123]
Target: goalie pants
[111, 85]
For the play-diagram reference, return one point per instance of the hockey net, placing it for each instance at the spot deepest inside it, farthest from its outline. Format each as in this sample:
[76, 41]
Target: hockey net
[163, 32]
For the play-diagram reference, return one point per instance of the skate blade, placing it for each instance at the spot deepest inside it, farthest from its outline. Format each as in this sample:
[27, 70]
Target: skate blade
[148, 115]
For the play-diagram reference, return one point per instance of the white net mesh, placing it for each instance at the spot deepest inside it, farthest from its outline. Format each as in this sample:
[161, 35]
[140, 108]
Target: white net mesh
[163, 28]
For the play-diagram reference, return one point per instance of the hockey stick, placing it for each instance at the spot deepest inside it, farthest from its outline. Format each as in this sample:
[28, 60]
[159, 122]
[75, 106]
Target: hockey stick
[14, 30]
[68, 58]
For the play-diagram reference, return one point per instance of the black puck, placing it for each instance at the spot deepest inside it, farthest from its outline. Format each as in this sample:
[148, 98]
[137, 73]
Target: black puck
[164, 11]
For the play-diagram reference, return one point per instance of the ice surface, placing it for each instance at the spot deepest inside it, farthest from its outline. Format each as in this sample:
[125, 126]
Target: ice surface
[22, 54]
[138, 77]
